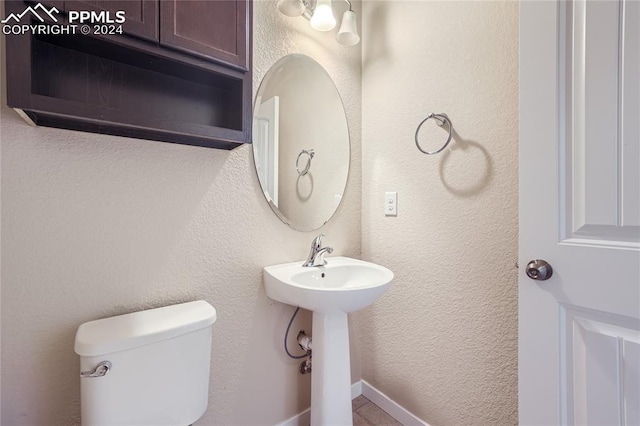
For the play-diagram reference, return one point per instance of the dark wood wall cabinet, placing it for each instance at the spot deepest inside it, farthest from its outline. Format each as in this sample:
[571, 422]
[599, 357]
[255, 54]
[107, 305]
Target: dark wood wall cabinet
[179, 72]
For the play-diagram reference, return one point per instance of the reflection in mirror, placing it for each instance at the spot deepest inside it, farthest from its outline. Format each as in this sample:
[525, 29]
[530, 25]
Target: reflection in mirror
[300, 142]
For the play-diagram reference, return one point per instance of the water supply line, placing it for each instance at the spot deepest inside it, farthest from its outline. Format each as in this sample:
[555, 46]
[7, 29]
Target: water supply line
[304, 342]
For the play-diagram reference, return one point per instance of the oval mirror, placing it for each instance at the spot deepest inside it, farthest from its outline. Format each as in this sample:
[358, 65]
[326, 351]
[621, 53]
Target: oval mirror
[300, 142]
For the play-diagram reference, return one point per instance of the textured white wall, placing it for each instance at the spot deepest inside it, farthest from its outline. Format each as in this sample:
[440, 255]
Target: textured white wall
[94, 226]
[442, 342]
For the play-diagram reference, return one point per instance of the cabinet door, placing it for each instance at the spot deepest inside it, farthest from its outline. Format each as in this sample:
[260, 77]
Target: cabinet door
[141, 16]
[211, 29]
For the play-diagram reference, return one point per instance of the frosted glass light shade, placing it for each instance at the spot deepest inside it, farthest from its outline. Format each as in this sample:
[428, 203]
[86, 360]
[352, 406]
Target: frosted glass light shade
[348, 33]
[323, 19]
[291, 8]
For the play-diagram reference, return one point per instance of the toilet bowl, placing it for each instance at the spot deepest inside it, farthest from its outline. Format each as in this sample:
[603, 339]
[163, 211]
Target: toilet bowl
[147, 368]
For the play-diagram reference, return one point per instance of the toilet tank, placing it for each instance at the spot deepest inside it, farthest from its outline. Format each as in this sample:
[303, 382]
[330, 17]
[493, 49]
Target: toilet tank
[157, 366]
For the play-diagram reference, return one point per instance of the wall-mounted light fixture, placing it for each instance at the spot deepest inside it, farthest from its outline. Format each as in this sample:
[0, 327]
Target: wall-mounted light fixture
[320, 15]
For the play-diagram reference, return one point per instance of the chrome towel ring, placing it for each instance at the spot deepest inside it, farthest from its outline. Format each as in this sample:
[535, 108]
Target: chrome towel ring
[310, 155]
[440, 120]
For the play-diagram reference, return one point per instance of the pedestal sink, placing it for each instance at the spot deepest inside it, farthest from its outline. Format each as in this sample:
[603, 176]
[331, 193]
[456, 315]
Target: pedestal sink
[343, 285]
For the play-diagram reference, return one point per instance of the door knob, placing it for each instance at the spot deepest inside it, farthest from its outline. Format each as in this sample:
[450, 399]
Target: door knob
[539, 270]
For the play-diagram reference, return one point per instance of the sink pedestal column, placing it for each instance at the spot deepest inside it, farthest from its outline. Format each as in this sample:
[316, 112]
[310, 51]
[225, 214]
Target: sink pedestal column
[331, 375]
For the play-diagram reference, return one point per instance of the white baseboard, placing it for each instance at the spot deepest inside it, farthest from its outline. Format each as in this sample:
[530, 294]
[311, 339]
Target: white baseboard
[300, 419]
[375, 396]
[391, 407]
[356, 389]
[304, 418]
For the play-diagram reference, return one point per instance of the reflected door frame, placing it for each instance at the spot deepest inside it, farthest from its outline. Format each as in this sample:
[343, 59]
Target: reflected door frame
[266, 140]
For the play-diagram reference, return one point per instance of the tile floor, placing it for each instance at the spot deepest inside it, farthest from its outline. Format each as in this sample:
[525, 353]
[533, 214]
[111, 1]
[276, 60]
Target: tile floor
[366, 413]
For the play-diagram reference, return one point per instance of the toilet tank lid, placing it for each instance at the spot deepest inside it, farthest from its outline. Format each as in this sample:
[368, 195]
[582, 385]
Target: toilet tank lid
[128, 331]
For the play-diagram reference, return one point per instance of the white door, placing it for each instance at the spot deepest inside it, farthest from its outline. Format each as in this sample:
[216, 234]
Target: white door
[579, 331]
[266, 138]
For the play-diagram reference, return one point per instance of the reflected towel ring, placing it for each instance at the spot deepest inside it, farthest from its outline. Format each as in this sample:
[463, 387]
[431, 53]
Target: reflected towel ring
[310, 155]
[440, 120]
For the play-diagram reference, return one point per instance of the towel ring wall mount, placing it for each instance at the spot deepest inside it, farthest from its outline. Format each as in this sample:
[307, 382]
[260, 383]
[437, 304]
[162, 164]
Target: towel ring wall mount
[440, 119]
[309, 153]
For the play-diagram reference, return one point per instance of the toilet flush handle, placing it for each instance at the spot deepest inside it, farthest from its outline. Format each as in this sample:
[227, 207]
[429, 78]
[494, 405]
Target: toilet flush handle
[101, 369]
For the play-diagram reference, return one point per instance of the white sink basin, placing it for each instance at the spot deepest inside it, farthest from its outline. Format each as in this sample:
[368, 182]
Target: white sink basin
[343, 284]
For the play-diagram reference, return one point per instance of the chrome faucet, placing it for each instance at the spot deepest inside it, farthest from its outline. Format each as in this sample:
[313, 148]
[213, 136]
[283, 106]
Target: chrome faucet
[316, 255]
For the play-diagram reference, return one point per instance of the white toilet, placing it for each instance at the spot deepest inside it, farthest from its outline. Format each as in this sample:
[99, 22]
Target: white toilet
[146, 368]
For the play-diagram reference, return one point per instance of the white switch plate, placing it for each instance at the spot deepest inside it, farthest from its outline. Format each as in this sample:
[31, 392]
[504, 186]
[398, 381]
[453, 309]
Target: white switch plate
[391, 204]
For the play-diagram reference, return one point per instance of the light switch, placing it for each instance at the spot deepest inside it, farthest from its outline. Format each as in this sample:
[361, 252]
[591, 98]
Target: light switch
[391, 204]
